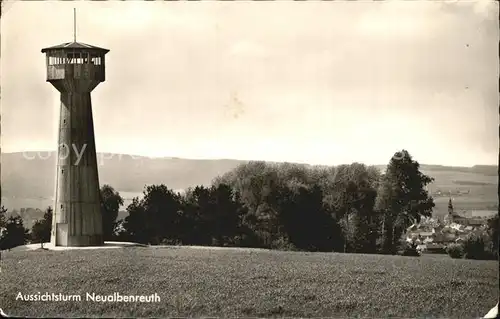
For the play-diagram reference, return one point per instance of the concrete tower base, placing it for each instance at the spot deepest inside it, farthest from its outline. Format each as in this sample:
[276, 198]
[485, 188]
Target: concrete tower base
[77, 219]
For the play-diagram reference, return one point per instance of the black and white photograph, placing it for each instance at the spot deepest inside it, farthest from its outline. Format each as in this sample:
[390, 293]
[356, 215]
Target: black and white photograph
[249, 159]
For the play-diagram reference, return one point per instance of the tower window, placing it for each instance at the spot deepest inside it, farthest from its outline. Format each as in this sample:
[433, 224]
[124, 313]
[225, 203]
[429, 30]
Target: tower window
[96, 60]
[76, 58]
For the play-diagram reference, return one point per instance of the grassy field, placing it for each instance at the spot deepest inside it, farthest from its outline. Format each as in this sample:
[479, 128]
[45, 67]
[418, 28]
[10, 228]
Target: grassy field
[206, 282]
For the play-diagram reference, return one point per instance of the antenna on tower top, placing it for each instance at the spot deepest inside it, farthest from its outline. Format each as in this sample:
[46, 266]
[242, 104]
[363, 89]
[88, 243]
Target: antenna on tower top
[74, 24]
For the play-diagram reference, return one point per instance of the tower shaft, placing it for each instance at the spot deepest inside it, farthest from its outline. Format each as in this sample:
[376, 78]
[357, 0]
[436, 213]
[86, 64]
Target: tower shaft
[77, 219]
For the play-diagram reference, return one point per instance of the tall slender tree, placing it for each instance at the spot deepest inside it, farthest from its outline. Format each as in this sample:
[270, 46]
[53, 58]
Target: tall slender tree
[110, 205]
[402, 198]
[40, 232]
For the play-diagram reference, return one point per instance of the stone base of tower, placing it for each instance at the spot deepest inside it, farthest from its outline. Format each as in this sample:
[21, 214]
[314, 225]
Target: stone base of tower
[77, 241]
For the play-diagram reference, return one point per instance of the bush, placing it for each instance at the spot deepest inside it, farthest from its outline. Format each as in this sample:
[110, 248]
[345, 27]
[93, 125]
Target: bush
[475, 248]
[490, 255]
[282, 243]
[455, 251]
[411, 250]
[171, 242]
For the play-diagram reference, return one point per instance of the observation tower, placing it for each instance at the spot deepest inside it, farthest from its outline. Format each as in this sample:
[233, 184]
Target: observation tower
[75, 69]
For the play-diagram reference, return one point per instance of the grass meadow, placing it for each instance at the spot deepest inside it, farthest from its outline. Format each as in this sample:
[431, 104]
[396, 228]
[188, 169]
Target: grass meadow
[241, 282]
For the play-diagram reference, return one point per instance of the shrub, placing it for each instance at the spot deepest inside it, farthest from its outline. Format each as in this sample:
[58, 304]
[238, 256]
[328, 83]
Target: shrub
[410, 249]
[437, 250]
[475, 248]
[282, 243]
[171, 242]
[455, 251]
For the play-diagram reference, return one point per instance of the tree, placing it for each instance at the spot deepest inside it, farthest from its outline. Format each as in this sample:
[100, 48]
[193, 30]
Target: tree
[474, 247]
[3, 224]
[214, 216]
[110, 205]
[135, 224]
[155, 218]
[227, 215]
[402, 198]
[493, 226]
[352, 196]
[306, 221]
[194, 224]
[40, 232]
[162, 211]
[14, 234]
[364, 223]
[253, 182]
[265, 224]
[3, 216]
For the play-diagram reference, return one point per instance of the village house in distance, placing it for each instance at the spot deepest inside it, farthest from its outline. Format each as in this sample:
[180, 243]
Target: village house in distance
[433, 235]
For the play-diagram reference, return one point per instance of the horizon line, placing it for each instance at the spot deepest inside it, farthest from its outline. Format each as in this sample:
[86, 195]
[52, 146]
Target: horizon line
[249, 160]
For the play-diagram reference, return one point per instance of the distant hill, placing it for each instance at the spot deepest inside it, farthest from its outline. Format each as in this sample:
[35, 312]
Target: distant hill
[29, 183]
[488, 170]
[26, 177]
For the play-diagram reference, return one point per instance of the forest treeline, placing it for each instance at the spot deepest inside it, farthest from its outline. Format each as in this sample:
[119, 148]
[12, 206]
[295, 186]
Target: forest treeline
[347, 208]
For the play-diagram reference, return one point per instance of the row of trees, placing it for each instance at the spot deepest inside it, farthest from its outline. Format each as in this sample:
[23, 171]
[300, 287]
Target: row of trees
[348, 208]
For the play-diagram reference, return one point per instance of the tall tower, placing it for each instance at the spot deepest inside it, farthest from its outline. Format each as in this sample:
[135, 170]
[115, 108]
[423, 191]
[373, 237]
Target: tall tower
[450, 207]
[75, 69]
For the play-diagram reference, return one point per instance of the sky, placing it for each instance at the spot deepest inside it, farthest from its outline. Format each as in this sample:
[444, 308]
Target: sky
[311, 82]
